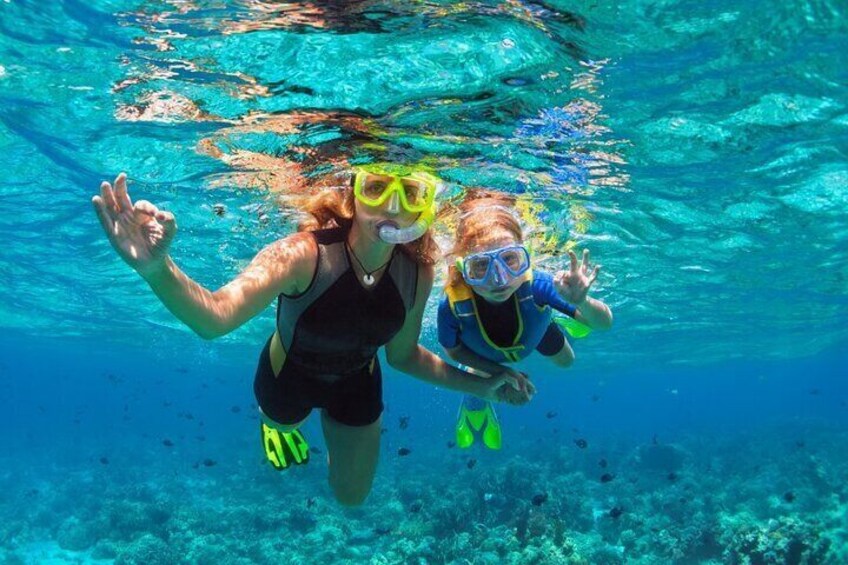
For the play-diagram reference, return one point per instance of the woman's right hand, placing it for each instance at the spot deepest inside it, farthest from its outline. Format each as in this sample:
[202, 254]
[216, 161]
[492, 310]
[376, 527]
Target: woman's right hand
[140, 233]
[510, 386]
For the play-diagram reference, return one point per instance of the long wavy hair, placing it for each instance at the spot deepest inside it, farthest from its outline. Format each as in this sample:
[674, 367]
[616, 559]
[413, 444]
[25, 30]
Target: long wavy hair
[483, 216]
[333, 207]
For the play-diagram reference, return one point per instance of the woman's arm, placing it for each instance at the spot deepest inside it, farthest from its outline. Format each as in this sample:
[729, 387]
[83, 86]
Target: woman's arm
[465, 356]
[141, 234]
[284, 266]
[405, 354]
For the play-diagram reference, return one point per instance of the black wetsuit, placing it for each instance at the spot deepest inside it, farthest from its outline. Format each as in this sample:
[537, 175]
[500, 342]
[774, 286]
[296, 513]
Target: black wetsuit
[331, 333]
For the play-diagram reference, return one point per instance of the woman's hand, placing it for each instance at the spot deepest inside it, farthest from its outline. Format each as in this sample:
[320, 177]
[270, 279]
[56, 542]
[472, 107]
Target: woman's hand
[573, 285]
[140, 233]
[510, 386]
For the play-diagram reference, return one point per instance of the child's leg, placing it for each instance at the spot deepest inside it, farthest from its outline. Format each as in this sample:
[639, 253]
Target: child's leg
[555, 346]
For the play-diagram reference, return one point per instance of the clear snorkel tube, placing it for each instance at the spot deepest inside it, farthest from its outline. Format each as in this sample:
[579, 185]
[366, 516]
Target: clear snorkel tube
[390, 233]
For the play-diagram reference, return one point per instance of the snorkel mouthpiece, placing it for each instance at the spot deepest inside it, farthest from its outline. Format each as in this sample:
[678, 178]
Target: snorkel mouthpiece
[392, 234]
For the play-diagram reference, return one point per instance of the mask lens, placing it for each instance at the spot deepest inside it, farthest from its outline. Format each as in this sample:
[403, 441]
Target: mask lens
[477, 267]
[373, 186]
[415, 192]
[515, 260]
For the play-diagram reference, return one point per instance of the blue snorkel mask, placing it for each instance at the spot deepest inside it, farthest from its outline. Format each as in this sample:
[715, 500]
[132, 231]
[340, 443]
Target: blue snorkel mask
[497, 267]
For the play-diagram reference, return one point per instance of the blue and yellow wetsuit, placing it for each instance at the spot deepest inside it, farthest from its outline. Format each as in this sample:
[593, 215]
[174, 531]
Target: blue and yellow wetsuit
[503, 333]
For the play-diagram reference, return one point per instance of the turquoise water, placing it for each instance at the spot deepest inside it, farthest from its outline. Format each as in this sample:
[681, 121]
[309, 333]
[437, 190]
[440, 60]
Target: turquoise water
[698, 149]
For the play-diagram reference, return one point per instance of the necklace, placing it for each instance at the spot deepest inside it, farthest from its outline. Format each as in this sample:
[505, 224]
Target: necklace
[368, 277]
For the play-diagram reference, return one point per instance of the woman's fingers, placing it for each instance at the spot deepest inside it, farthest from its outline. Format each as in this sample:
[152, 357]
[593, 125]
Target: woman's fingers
[103, 215]
[165, 217]
[585, 262]
[108, 198]
[505, 378]
[145, 207]
[121, 196]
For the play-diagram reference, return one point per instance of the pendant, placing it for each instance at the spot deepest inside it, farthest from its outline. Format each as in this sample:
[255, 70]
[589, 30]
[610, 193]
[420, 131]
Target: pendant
[368, 279]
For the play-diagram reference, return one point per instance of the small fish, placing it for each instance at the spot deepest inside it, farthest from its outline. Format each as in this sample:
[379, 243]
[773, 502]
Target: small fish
[310, 502]
[655, 440]
[182, 370]
[581, 443]
[595, 397]
[815, 392]
[382, 530]
[517, 81]
[550, 414]
[616, 511]
[104, 460]
[219, 209]
[451, 444]
[539, 499]
[209, 462]
[383, 430]
[404, 451]
[471, 463]
[403, 422]
[415, 507]
[607, 477]
[167, 443]
[235, 409]
[602, 463]
[789, 496]
[672, 476]
[800, 443]
[315, 450]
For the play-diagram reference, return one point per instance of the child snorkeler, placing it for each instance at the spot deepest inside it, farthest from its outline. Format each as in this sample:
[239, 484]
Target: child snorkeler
[497, 309]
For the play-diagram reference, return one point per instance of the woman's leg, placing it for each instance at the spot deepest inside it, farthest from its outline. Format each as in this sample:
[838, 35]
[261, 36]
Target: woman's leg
[353, 453]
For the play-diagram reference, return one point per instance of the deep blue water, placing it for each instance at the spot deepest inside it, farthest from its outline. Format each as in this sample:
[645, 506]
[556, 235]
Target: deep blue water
[698, 149]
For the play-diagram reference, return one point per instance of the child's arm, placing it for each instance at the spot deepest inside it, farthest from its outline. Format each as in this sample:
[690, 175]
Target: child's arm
[572, 287]
[449, 338]
[594, 314]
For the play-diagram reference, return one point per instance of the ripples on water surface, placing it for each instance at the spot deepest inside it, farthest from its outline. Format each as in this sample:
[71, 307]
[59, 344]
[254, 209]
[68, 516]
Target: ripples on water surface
[698, 150]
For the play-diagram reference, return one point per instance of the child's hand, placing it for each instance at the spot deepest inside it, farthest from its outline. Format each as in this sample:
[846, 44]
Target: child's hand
[573, 285]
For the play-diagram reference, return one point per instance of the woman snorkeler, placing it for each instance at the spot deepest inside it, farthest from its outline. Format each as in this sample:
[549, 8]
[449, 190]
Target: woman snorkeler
[498, 310]
[356, 277]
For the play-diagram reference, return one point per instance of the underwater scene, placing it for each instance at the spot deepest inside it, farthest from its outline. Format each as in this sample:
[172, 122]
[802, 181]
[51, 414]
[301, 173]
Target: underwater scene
[683, 400]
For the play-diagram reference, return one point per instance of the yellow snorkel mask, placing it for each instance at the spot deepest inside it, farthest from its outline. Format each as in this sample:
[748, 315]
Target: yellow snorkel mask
[413, 188]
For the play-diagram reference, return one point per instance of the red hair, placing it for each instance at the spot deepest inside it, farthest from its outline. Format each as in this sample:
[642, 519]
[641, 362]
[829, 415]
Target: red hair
[484, 215]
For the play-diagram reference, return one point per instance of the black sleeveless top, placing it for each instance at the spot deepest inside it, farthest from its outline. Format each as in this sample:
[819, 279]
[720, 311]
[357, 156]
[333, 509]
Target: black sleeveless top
[336, 326]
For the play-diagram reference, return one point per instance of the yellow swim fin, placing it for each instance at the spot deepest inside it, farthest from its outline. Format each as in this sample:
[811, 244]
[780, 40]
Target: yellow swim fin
[284, 448]
[477, 416]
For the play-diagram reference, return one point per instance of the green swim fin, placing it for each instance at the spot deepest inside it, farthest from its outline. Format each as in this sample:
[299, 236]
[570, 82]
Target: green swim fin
[572, 327]
[477, 416]
[284, 448]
